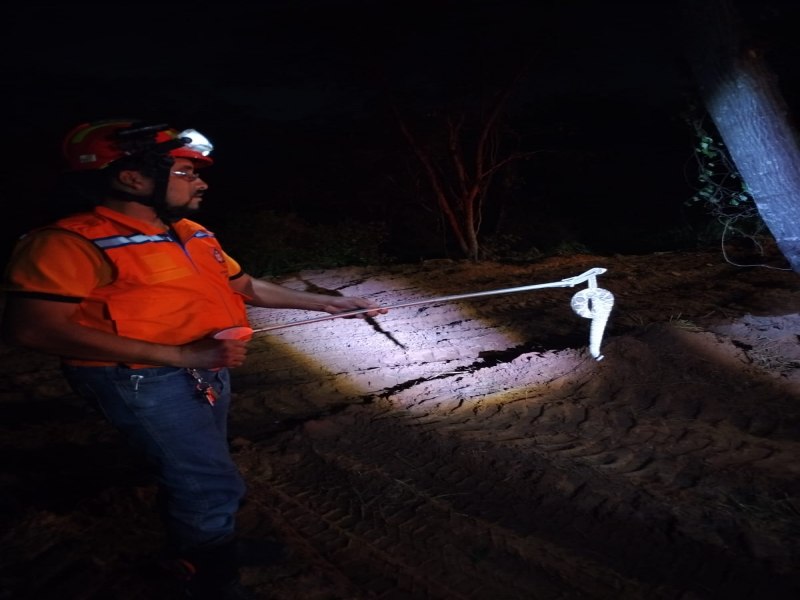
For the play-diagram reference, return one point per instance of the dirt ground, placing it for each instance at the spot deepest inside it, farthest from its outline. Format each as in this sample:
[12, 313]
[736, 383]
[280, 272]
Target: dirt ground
[469, 449]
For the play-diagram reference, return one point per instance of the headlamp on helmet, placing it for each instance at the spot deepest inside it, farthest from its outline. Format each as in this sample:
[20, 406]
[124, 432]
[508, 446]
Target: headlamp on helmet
[196, 141]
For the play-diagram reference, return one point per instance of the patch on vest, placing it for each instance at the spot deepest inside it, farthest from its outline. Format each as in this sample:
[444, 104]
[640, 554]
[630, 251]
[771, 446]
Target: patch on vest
[218, 256]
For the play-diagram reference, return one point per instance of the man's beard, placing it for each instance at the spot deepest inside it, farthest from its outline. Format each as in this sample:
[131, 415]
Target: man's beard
[170, 214]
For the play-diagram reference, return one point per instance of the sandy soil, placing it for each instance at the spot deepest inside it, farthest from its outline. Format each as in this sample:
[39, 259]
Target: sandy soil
[467, 449]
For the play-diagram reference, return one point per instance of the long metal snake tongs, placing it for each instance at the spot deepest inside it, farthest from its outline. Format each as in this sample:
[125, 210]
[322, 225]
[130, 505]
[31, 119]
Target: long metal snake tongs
[592, 303]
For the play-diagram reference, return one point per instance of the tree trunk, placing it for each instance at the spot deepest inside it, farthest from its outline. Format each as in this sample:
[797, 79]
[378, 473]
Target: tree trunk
[741, 95]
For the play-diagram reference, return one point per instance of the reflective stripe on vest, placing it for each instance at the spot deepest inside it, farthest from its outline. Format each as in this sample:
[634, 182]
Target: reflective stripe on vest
[140, 238]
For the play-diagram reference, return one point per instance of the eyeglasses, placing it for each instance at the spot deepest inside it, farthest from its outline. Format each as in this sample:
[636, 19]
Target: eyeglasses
[186, 175]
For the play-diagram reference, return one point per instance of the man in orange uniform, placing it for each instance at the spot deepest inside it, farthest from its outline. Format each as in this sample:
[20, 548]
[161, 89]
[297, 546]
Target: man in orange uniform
[130, 296]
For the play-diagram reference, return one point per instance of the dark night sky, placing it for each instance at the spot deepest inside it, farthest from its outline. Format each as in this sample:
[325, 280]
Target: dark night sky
[289, 92]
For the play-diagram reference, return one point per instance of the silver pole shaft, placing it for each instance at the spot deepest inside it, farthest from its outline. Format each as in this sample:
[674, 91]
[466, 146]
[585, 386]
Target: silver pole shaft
[569, 282]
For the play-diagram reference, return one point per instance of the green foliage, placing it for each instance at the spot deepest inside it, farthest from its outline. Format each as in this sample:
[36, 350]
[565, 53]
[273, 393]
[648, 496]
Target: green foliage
[720, 186]
[267, 243]
[721, 189]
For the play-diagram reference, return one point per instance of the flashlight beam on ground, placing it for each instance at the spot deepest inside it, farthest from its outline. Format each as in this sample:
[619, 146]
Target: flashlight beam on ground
[593, 303]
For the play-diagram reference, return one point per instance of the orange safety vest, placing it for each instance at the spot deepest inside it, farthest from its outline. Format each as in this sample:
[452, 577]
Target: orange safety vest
[162, 290]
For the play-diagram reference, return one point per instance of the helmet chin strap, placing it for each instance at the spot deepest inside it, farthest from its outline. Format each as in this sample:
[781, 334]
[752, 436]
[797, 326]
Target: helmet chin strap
[158, 199]
[159, 167]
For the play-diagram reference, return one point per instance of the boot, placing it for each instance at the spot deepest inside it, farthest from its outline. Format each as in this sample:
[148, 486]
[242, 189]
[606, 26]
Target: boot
[259, 552]
[213, 573]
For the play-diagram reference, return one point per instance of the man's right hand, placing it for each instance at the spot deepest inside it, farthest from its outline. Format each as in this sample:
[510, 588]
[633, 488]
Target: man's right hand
[210, 353]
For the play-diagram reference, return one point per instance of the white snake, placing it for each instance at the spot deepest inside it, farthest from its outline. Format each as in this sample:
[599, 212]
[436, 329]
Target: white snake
[594, 303]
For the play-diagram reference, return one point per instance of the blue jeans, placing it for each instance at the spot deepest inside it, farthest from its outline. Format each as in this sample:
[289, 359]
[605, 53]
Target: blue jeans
[183, 439]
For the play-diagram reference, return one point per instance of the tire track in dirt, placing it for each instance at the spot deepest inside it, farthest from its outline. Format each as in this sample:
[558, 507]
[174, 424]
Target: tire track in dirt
[449, 518]
[533, 483]
[412, 525]
[659, 472]
[670, 447]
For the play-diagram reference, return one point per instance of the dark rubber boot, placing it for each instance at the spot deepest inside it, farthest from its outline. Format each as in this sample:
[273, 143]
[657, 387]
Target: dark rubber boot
[259, 552]
[213, 573]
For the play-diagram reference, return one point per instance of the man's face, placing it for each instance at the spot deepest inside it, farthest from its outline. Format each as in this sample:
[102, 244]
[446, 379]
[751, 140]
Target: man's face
[185, 188]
